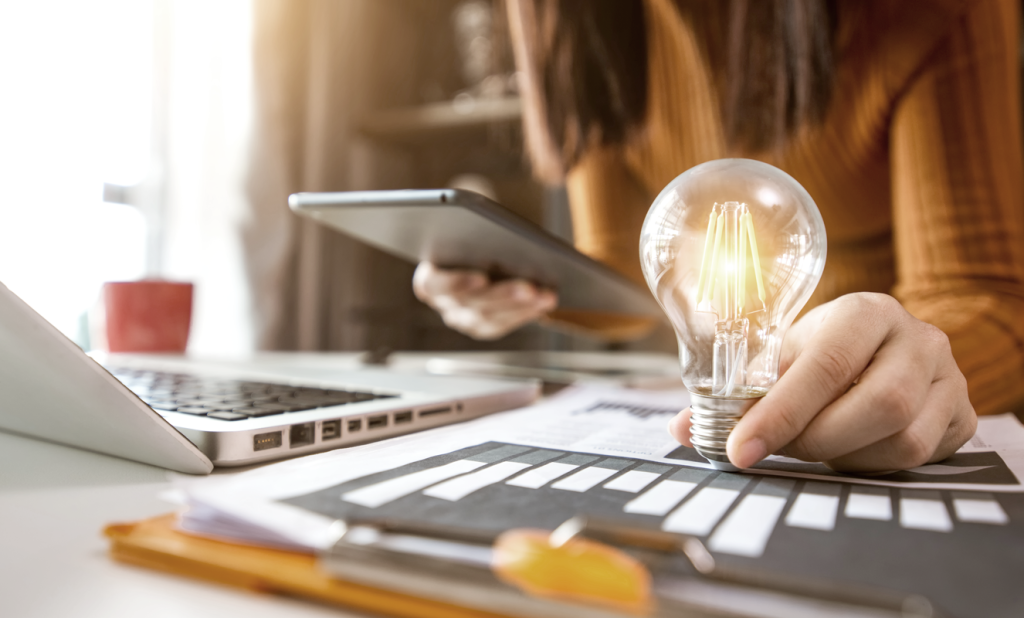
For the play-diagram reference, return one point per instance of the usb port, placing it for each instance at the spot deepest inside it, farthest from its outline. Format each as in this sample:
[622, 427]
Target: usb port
[330, 430]
[403, 417]
[434, 411]
[376, 422]
[355, 425]
[302, 435]
[264, 441]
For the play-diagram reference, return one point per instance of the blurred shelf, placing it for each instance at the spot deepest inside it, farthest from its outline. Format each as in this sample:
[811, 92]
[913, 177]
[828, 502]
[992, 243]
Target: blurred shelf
[446, 118]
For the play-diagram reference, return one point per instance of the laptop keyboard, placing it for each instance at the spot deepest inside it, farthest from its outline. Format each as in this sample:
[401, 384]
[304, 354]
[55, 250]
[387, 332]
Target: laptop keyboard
[230, 400]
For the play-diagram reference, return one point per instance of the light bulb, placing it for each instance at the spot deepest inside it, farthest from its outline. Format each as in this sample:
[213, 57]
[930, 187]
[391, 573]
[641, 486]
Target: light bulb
[732, 249]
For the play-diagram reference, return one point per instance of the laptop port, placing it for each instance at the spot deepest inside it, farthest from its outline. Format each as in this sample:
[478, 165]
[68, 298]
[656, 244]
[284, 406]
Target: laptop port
[330, 430]
[403, 417]
[435, 411]
[355, 425]
[302, 435]
[376, 422]
[264, 441]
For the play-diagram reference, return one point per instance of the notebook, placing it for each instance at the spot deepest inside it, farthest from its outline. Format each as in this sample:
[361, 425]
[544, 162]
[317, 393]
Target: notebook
[190, 416]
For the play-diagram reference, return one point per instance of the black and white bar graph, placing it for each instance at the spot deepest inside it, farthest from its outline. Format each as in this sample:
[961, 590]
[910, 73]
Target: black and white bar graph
[978, 508]
[780, 522]
[664, 496]
[745, 531]
[379, 494]
[636, 480]
[816, 507]
[589, 477]
[388, 491]
[541, 476]
[699, 514]
[460, 487]
[869, 503]
[922, 509]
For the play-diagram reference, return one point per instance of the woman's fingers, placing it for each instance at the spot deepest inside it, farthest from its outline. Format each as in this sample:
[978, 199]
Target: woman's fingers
[927, 439]
[679, 427]
[506, 296]
[430, 282]
[469, 303]
[492, 324]
[832, 358]
[888, 397]
[869, 388]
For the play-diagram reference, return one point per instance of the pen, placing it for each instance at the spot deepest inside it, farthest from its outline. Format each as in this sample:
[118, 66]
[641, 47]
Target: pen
[587, 560]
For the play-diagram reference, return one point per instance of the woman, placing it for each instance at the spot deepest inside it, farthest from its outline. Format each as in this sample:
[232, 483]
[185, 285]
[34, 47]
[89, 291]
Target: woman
[902, 123]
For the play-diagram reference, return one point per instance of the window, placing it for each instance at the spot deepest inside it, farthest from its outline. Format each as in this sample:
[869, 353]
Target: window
[77, 80]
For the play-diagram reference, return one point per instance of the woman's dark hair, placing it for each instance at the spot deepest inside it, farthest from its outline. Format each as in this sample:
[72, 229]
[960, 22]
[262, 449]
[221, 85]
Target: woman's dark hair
[588, 64]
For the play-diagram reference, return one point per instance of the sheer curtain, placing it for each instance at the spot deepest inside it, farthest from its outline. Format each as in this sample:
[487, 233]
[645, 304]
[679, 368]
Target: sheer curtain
[317, 66]
[203, 117]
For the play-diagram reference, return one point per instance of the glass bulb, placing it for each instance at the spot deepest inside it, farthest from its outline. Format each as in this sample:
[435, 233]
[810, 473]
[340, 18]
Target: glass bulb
[732, 249]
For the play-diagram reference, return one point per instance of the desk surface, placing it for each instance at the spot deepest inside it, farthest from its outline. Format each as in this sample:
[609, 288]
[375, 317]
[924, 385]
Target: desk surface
[54, 503]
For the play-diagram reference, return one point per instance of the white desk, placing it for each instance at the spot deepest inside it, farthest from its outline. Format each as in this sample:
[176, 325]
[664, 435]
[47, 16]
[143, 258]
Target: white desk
[54, 503]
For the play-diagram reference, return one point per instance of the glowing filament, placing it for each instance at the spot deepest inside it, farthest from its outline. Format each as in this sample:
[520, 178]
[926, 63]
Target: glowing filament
[707, 251]
[731, 236]
[719, 229]
[753, 252]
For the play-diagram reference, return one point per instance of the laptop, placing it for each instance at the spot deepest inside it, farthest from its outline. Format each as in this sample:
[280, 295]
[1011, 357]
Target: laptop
[190, 416]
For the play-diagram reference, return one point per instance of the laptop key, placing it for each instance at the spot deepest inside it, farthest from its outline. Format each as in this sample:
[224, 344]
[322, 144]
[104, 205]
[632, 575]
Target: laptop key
[302, 406]
[196, 410]
[365, 396]
[301, 401]
[214, 403]
[224, 415]
[159, 404]
[230, 404]
[266, 409]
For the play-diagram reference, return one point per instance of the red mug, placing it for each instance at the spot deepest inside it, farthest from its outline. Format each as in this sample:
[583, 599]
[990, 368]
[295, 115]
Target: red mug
[148, 315]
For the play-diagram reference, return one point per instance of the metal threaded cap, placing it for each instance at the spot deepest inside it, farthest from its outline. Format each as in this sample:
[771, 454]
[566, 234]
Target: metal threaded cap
[712, 420]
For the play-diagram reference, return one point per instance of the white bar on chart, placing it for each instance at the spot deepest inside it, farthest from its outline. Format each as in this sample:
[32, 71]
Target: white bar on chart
[746, 530]
[660, 499]
[381, 493]
[979, 508]
[459, 488]
[584, 479]
[868, 506]
[632, 481]
[815, 508]
[924, 510]
[538, 477]
[699, 514]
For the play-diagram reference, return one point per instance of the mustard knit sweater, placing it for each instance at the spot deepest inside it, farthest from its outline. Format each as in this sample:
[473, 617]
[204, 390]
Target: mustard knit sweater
[917, 169]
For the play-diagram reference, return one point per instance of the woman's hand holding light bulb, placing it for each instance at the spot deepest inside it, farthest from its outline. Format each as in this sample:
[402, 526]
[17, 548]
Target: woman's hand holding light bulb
[858, 383]
[864, 387]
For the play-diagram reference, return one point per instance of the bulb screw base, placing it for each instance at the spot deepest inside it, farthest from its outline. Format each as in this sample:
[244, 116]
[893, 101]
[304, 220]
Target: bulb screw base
[712, 420]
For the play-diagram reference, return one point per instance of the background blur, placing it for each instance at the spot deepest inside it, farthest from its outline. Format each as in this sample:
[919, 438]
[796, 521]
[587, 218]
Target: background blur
[161, 138]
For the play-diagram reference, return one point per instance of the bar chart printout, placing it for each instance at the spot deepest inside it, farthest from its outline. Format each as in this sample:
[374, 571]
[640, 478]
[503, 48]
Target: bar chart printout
[886, 536]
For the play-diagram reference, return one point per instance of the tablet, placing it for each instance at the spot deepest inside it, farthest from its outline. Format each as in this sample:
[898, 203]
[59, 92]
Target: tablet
[461, 229]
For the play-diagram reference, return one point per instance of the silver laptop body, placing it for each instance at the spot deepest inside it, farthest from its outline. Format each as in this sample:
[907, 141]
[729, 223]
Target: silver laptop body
[51, 389]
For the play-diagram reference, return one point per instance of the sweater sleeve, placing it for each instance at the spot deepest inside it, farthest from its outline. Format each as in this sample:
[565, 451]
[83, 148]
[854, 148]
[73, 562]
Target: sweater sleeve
[958, 201]
[608, 208]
